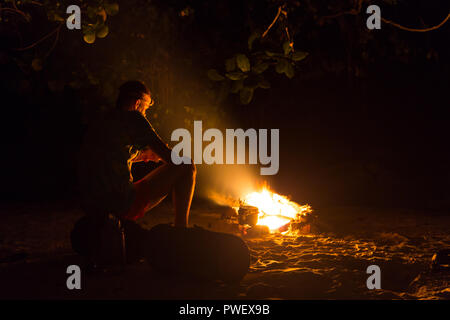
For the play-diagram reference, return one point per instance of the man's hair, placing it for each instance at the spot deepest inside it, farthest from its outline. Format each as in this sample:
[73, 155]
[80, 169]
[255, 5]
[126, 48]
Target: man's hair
[129, 92]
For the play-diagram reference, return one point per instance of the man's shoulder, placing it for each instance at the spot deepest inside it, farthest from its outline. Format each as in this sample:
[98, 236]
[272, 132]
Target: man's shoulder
[133, 116]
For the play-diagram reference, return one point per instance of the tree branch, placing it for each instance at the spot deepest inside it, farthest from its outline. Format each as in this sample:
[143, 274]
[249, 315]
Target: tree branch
[273, 22]
[21, 13]
[352, 11]
[357, 10]
[55, 41]
[40, 40]
[414, 29]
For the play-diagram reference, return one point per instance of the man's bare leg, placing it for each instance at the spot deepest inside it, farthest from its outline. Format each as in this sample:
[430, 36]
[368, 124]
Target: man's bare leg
[155, 186]
[182, 194]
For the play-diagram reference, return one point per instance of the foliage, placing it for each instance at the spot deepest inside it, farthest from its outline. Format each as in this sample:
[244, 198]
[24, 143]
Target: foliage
[95, 26]
[248, 72]
[246, 58]
[251, 70]
[94, 13]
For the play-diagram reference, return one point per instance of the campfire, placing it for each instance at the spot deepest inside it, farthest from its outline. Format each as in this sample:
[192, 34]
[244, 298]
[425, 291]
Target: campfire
[267, 208]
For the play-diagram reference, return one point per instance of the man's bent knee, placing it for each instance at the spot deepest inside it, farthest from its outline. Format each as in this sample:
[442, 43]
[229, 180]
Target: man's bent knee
[185, 168]
[189, 168]
[192, 168]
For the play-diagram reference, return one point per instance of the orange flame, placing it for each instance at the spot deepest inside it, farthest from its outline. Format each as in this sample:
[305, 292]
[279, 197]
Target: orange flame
[275, 210]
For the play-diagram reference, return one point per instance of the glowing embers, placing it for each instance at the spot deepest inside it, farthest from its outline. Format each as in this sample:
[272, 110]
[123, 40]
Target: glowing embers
[274, 211]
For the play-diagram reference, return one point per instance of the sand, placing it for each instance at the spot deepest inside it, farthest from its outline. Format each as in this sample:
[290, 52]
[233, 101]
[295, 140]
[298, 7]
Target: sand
[330, 262]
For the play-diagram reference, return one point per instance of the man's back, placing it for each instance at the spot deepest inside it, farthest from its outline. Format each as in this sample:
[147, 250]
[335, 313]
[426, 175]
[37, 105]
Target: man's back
[104, 164]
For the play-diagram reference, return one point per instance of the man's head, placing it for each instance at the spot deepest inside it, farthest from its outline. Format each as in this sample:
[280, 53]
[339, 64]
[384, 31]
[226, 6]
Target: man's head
[134, 96]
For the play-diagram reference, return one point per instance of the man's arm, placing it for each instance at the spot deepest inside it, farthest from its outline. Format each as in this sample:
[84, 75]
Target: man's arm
[147, 138]
[146, 155]
[158, 147]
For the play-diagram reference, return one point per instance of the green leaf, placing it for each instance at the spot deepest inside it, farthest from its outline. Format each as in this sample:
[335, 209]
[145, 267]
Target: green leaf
[251, 39]
[264, 84]
[88, 29]
[102, 14]
[111, 8]
[260, 67]
[102, 31]
[214, 75]
[287, 48]
[246, 95]
[281, 66]
[230, 64]
[237, 85]
[236, 75]
[89, 38]
[242, 62]
[299, 55]
[289, 71]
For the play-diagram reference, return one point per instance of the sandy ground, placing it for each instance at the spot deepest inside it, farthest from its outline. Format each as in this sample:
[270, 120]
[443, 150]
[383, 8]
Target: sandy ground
[328, 263]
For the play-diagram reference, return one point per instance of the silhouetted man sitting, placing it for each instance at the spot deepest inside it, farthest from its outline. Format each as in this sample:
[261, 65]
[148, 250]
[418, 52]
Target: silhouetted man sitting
[108, 192]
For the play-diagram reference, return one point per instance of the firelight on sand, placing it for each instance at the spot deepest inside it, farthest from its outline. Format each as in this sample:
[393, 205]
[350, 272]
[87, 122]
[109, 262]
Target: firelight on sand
[275, 210]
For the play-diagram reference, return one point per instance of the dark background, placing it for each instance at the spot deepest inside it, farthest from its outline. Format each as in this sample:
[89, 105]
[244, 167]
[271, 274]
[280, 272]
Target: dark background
[364, 121]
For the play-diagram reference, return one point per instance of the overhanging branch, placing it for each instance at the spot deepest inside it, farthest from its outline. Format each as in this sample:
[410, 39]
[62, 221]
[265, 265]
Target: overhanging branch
[357, 10]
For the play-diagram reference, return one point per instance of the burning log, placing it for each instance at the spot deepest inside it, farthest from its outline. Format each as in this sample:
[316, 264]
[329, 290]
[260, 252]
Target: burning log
[248, 215]
[275, 211]
[257, 231]
[302, 227]
[284, 228]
